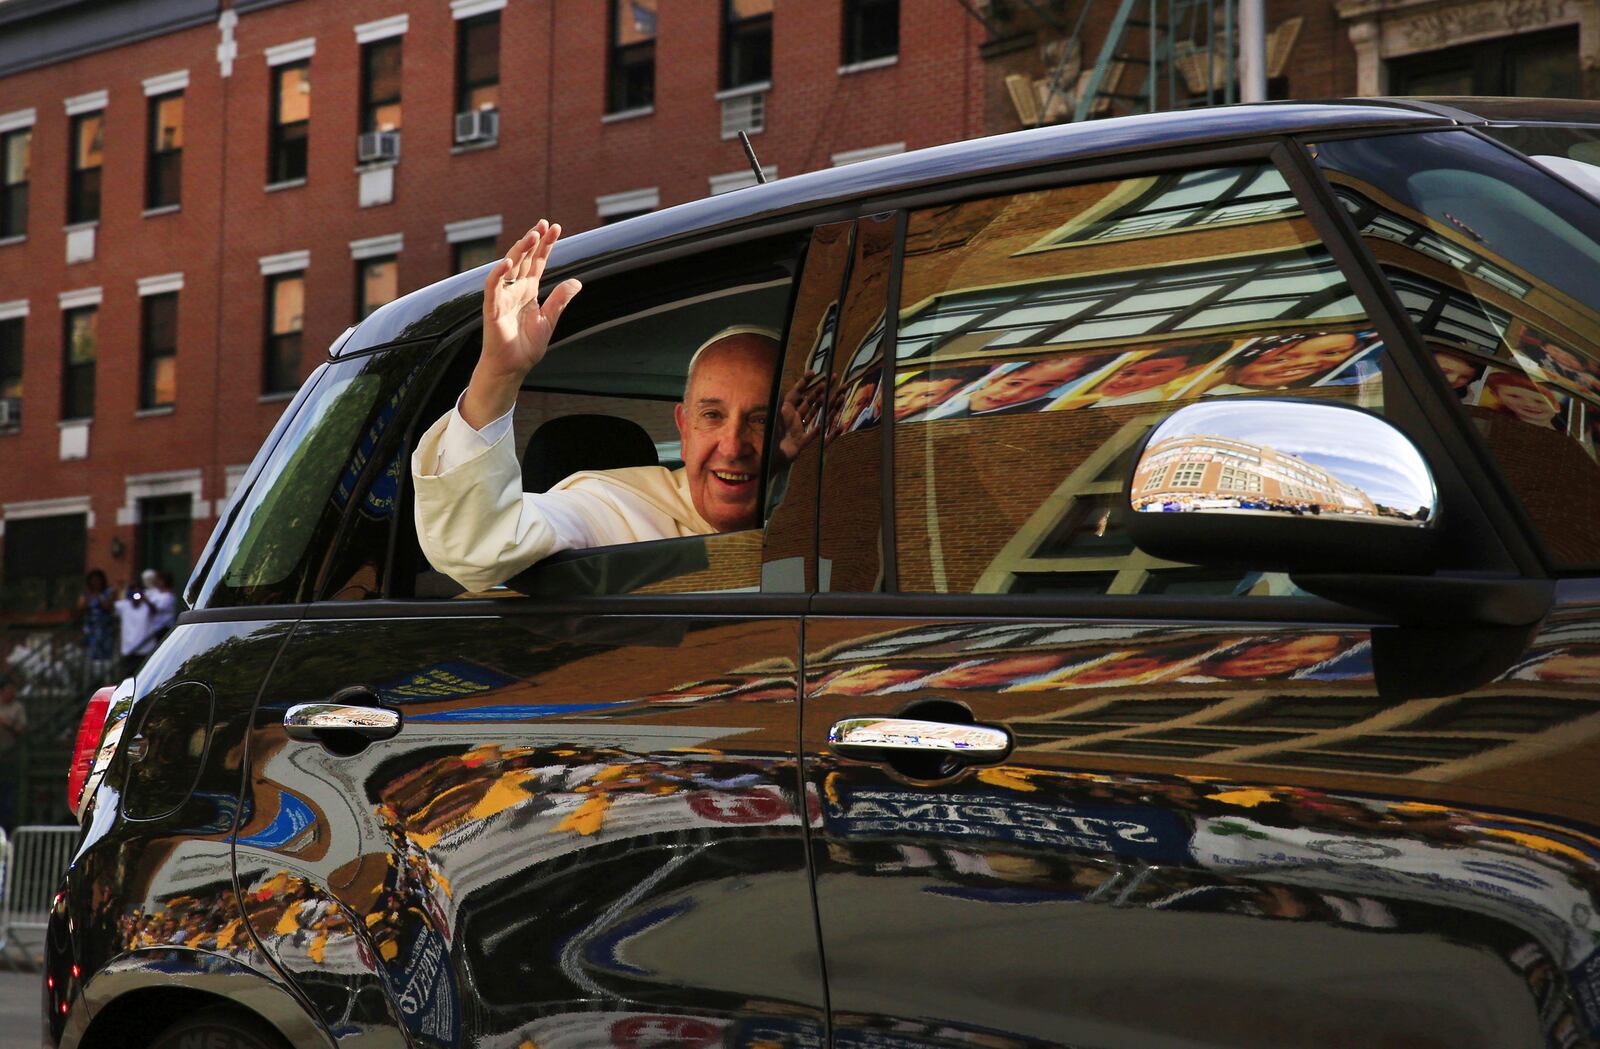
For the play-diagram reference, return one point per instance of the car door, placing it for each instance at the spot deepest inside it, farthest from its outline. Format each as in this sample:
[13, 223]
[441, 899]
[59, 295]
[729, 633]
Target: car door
[1224, 812]
[587, 826]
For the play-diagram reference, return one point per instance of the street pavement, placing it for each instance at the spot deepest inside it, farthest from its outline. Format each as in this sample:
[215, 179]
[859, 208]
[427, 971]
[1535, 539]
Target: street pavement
[21, 1026]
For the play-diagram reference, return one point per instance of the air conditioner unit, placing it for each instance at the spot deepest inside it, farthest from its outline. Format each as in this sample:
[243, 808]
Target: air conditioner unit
[481, 125]
[372, 146]
[747, 113]
[10, 413]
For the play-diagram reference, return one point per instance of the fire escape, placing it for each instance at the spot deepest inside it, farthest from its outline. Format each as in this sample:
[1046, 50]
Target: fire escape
[1151, 55]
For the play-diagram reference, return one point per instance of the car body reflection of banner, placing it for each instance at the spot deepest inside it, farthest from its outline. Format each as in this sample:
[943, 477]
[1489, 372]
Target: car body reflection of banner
[1125, 832]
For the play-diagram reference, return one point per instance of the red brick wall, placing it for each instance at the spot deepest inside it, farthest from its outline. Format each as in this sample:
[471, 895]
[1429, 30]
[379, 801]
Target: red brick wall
[554, 157]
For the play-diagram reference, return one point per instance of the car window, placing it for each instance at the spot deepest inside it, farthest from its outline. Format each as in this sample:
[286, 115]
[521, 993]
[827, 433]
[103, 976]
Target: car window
[1498, 264]
[1042, 334]
[604, 399]
[338, 449]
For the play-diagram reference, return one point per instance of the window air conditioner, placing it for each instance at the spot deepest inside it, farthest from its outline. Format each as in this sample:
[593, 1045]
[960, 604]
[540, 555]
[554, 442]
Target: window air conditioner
[481, 125]
[747, 113]
[378, 145]
[10, 412]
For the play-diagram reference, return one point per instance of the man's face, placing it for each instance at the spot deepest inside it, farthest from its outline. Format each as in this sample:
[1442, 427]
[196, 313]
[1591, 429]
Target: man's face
[1143, 375]
[1024, 384]
[1273, 658]
[916, 394]
[1298, 360]
[1457, 372]
[1526, 403]
[723, 424]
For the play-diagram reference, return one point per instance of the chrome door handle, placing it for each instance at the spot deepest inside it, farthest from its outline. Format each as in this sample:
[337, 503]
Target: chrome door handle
[315, 722]
[876, 738]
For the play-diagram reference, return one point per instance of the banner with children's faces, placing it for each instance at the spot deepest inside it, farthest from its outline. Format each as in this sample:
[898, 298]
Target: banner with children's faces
[1545, 384]
[1146, 374]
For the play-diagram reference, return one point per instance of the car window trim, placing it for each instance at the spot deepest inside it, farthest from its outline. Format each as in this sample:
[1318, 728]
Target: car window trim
[1097, 608]
[891, 335]
[1472, 460]
[734, 605]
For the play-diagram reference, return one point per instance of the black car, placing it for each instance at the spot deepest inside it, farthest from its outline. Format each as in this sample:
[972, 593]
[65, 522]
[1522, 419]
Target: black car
[1185, 631]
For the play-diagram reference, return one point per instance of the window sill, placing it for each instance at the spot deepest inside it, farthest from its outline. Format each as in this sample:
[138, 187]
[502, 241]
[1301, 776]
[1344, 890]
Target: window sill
[870, 64]
[376, 165]
[628, 114]
[742, 90]
[165, 209]
[10, 431]
[20, 238]
[83, 420]
[273, 398]
[156, 412]
[293, 183]
[76, 227]
[473, 147]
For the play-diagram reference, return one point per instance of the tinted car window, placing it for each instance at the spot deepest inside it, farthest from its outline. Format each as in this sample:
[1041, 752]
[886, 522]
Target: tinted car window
[328, 457]
[1498, 264]
[1042, 334]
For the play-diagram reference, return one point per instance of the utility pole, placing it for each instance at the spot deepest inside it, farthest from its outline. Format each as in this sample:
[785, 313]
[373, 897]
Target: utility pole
[1252, 51]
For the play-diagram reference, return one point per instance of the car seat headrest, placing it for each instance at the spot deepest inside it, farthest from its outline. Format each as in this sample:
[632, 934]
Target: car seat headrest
[570, 444]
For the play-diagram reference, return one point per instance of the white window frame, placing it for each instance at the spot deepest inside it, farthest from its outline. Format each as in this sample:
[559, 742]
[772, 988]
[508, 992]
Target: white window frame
[376, 247]
[629, 202]
[168, 482]
[472, 229]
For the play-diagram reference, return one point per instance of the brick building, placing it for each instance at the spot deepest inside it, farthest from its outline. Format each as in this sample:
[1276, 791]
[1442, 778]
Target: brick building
[198, 196]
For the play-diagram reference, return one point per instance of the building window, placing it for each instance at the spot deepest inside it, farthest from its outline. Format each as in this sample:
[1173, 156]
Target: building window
[871, 30]
[291, 122]
[83, 179]
[11, 374]
[1188, 475]
[377, 282]
[158, 350]
[16, 149]
[44, 562]
[82, 339]
[380, 85]
[286, 299]
[470, 254]
[166, 151]
[631, 65]
[746, 42]
[477, 65]
[1532, 65]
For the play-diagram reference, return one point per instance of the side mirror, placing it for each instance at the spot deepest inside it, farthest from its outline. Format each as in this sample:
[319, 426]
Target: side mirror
[1280, 485]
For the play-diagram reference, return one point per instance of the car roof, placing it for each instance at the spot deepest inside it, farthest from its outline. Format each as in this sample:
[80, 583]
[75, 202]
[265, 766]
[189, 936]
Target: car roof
[440, 307]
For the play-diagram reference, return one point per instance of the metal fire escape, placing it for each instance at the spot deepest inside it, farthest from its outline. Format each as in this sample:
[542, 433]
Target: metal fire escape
[1153, 55]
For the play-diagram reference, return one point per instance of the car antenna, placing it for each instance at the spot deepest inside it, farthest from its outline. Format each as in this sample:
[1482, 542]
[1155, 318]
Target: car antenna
[750, 152]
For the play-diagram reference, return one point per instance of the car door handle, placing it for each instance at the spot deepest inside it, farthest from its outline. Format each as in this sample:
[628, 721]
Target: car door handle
[881, 738]
[326, 721]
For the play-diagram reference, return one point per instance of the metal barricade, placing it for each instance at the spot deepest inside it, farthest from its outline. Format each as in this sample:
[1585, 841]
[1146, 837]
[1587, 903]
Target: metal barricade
[34, 860]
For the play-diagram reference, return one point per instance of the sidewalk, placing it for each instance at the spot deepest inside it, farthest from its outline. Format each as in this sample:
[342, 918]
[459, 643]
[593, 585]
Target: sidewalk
[21, 1025]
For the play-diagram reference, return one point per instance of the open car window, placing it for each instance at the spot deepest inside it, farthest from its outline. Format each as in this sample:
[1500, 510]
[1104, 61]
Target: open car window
[603, 400]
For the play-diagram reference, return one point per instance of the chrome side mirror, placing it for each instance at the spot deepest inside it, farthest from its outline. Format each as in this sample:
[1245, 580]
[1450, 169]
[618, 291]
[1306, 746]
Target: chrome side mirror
[1283, 485]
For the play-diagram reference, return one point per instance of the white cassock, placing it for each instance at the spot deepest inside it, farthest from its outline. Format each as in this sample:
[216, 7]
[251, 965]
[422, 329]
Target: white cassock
[477, 525]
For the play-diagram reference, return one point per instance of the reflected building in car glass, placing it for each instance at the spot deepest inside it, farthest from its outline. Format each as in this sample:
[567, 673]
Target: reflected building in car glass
[1197, 470]
[1120, 301]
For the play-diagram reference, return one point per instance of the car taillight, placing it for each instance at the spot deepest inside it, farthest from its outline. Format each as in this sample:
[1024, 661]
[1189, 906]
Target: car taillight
[88, 744]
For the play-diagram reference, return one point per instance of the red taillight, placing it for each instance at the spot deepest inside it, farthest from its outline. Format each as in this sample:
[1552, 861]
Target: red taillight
[83, 751]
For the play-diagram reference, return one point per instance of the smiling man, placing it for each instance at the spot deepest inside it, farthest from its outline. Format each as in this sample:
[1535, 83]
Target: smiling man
[477, 525]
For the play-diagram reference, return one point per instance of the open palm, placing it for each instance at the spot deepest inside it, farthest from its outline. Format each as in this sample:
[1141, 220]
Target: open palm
[516, 328]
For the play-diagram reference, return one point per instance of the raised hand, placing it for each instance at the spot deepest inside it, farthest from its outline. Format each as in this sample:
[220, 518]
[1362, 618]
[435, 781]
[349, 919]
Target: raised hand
[516, 328]
[799, 417]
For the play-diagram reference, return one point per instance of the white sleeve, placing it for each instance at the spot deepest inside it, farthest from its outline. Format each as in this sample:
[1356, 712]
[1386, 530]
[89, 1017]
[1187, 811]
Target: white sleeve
[461, 442]
[476, 525]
